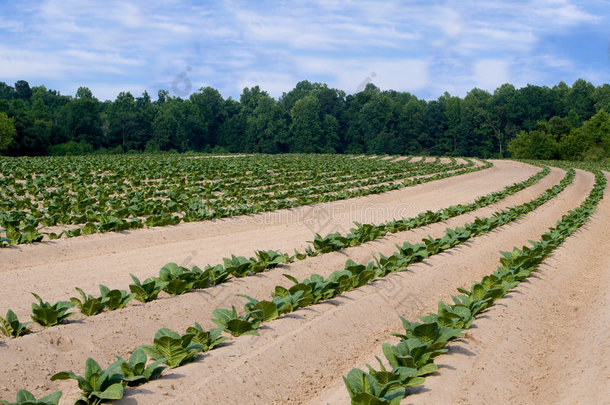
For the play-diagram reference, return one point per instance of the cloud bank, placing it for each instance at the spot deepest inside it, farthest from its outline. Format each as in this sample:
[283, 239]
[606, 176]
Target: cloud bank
[423, 47]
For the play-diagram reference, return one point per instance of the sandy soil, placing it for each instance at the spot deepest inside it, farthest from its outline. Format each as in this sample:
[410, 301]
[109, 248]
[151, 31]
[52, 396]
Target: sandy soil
[53, 269]
[299, 358]
[309, 351]
[557, 351]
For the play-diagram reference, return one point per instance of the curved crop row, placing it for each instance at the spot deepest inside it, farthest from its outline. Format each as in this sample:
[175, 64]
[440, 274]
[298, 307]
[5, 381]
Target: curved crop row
[177, 280]
[128, 197]
[175, 350]
[413, 357]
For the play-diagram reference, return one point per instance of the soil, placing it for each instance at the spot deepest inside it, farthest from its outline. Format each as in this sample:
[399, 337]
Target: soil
[300, 358]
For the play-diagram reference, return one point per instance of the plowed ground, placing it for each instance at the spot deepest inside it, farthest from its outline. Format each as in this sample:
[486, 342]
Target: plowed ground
[545, 343]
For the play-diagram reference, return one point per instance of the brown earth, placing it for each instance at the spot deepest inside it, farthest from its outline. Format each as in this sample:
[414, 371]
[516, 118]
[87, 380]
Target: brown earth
[299, 358]
[54, 268]
[547, 342]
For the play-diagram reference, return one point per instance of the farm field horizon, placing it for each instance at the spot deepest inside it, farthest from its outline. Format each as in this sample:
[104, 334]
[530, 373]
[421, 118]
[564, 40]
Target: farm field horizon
[321, 256]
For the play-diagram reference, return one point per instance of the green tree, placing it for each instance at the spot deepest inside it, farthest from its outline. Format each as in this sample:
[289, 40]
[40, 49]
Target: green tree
[23, 90]
[537, 144]
[32, 135]
[260, 122]
[266, 127]
[411, 124]
[82, 120]
[7, 131]
[591, 141]
[559, 127]
[331, 134]
[580, 99]
[231, 131]
[122, 123]
[146, 111]
[306, 133]
[164, 127]
[175, 122]
[601, 96]
[6, 92]
[211, 114]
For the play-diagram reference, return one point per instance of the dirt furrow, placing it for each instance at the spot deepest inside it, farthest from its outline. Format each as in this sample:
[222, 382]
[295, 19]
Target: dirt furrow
[547, 342]
[301, 357]
[118, 332]
[53, 269]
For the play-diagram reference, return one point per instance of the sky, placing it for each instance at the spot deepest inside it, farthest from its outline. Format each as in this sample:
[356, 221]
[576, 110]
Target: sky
[422, 47]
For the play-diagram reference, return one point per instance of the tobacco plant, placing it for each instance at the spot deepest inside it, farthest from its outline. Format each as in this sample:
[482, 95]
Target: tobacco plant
[136, 372]
[25, 397]
[89, 305]
[97, 385]
[176, 350]
[11, 327]
[49, 315]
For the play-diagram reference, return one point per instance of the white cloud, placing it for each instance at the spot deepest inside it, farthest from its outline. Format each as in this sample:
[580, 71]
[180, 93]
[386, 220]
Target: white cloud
[17, 64]
[103, 91]
[10, 25]
[422, 47]
[489, 74]
[350, 74]
[561, 13]
[273, 83]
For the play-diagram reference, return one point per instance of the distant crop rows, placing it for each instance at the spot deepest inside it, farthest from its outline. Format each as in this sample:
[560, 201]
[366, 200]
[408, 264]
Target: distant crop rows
[174, 350]
[69, 197]
[406, 363]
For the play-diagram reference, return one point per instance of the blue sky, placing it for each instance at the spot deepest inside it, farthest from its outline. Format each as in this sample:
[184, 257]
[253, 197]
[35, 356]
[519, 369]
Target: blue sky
[424, 47]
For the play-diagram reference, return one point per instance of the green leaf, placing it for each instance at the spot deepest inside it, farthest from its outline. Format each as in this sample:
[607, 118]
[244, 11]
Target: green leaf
[427, 369]
[426, 332]
[168, 344]
[415, 381]
[92, 368]
[268, 310]
[364, 398]
[63, 375]
[238, 327]
[115, 391]
[27, 398]
[23, 395]
[478, 291]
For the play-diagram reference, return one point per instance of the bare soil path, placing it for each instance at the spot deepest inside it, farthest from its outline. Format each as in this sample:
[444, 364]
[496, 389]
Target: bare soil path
[300, 358]
[53, 269]
[547, 342]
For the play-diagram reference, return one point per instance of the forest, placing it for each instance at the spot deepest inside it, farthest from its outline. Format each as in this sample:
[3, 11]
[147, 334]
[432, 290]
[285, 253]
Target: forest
[562, 122]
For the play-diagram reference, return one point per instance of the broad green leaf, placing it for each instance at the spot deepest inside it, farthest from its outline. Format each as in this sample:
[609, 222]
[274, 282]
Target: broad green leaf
[238, 327]
[268, 310]
[426, 332]
[115, 391]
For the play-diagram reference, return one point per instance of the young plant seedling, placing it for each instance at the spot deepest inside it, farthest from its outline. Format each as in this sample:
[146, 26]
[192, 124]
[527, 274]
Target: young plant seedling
[147, 290]
[208, 339]
[97, 385]
[49, 315]
[115, 299]
[89, 305]
[11, 327]
[234, 324]
[175, 349]
[135, 371]
[27, 398]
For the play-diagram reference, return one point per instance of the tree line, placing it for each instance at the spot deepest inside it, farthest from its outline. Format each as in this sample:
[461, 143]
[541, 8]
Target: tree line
[311, 118]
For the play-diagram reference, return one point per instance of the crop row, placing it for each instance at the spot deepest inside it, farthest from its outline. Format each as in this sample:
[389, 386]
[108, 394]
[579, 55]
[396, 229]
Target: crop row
[106, 203]
[175, 349]
[410, 360]
[177, 280]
